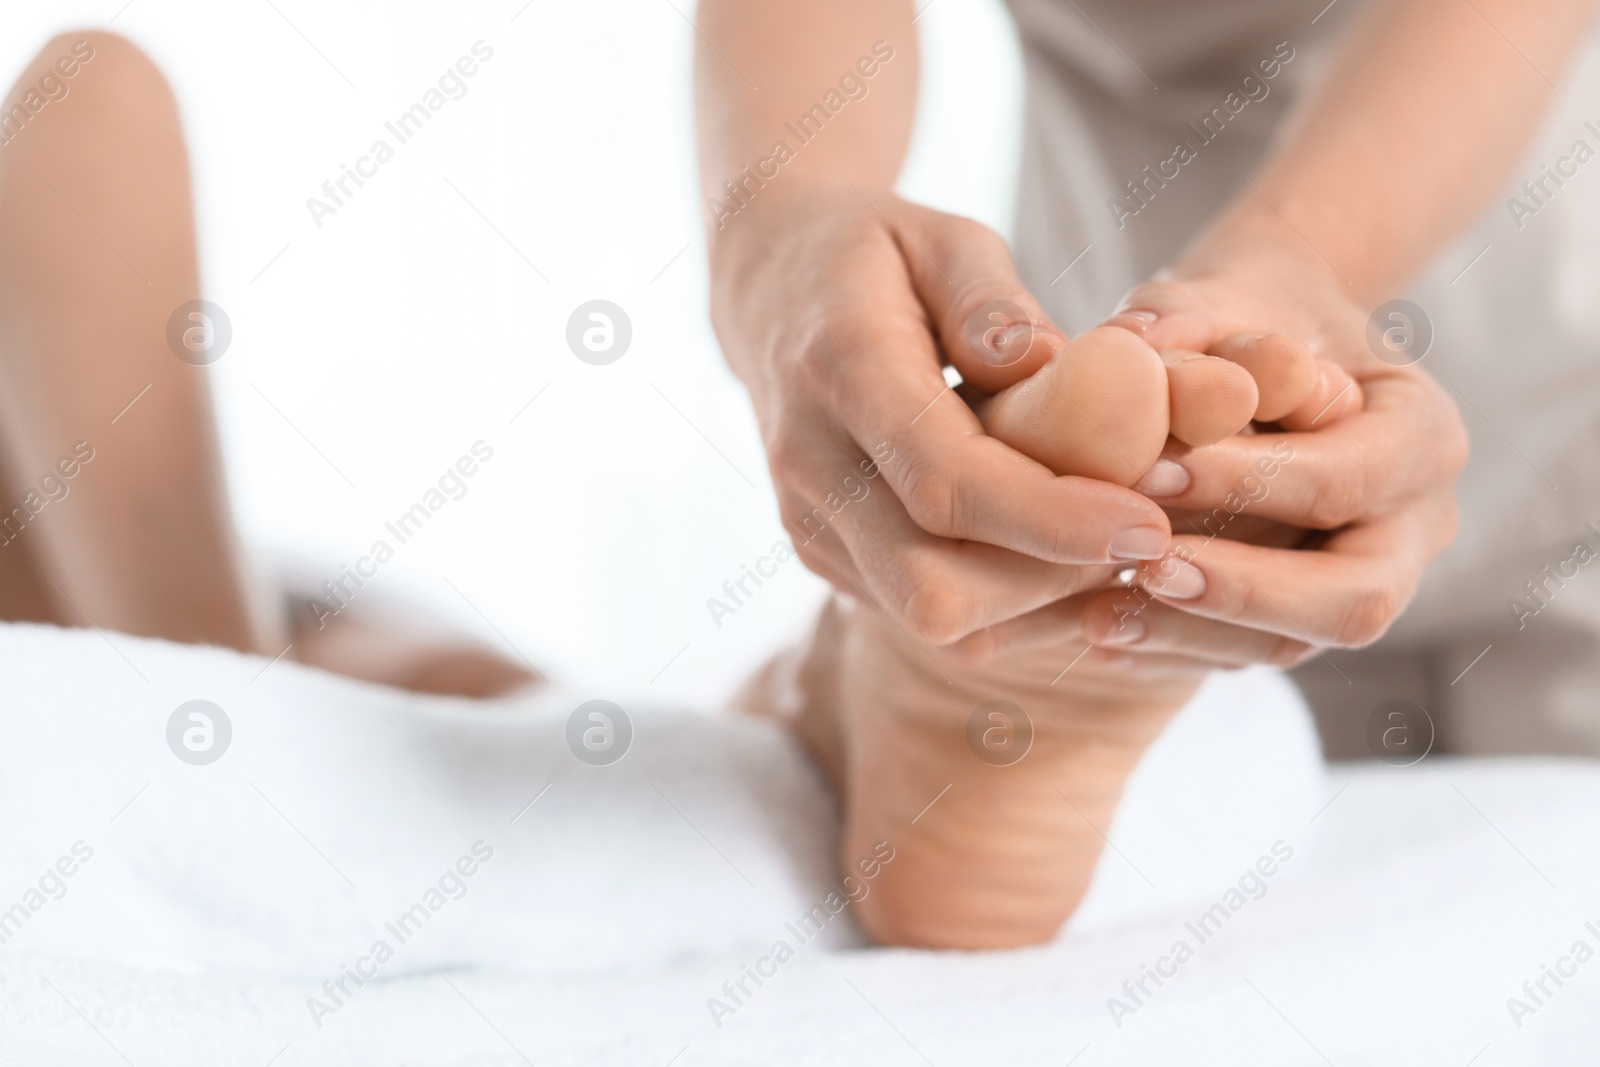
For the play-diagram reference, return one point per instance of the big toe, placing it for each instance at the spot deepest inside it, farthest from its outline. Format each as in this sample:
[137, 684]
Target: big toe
[1098, 409]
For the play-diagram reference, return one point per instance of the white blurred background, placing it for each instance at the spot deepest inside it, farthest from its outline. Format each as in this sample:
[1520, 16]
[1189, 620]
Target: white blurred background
[415, 321]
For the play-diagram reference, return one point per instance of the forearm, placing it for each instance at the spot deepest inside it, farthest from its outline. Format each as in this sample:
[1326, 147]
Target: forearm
[856, 62]
[1413, 129]
[835, 104]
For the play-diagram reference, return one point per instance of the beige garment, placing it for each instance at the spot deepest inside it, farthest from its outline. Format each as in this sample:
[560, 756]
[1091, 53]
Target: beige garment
[1113, 88]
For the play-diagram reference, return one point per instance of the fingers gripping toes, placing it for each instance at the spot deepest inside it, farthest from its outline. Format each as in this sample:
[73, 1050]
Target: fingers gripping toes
[1296, 389]
[991, 328]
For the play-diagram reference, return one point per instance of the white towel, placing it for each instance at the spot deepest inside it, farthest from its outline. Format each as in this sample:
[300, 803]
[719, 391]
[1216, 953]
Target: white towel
[222, 904]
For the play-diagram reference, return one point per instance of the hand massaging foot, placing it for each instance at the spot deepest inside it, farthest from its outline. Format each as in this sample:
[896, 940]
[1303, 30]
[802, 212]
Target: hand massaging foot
[996, 832]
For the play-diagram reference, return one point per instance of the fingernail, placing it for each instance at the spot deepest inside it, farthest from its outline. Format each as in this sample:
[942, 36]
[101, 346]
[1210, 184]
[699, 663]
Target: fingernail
[999, 332]
[1141, 542]
[1127, 631]
[1164, 478]
[1013, 341]
[1174, 578]
[1134, 320]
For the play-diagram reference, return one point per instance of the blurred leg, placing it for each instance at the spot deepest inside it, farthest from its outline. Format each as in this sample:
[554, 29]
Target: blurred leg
[97, 249]
[394, 644]
[24, 597]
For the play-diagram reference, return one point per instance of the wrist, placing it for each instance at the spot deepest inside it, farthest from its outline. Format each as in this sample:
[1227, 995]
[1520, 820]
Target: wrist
[739, 218]
[775, 256]
[745, 254]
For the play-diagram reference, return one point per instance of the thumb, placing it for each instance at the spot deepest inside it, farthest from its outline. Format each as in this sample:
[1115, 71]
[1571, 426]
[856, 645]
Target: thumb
[991, 328]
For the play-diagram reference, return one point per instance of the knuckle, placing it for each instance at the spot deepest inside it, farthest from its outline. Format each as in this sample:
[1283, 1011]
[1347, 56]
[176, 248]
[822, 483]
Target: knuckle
[1336, 501]
[1110, 614]
[815, 551]
[930, 496]
[1232, 602]
[937, 614]
[809, 527]
[818, 355]
[807, 548]
[785, 456]
[1289, 652]
[963, 231]
[1366, 618]
[975, 650]
[944, 235]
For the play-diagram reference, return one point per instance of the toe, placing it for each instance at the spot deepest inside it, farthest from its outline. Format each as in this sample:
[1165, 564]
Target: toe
[1096, 410]
[1211, 398]
[1333, 396]
[1285, 373]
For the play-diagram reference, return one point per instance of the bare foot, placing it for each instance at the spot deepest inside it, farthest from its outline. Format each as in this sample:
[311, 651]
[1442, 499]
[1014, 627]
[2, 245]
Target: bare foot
[993, 784]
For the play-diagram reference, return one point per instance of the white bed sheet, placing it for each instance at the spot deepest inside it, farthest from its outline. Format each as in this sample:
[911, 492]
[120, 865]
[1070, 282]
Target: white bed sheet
[219, 899]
